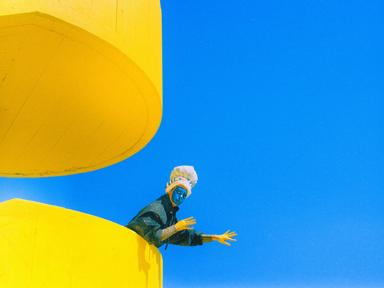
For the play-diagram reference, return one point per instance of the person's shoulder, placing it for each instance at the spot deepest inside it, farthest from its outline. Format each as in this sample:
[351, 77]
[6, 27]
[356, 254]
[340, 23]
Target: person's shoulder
[157, 207]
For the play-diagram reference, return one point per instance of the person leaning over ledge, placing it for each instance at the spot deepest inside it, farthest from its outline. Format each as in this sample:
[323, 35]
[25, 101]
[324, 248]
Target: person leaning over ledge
[157, 222]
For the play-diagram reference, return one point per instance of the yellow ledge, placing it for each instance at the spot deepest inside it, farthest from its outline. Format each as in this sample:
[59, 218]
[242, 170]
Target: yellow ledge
[48, 246]
[80, 84]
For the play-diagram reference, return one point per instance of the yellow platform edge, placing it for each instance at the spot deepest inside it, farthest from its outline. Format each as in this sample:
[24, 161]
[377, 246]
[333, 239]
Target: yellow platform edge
[48, 246]
[20, 158]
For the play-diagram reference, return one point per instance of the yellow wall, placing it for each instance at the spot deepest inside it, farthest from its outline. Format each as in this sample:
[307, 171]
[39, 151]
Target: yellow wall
[48, 246]
[80, 83]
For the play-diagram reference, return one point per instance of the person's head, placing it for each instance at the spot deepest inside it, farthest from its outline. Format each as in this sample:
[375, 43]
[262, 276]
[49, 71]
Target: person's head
[182, 180]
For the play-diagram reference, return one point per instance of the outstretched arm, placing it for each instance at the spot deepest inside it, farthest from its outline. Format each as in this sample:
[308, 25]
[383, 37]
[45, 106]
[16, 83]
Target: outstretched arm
[182, 233]
[227, 236]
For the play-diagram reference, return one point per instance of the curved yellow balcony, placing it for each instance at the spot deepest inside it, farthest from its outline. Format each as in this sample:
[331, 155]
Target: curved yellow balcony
[47, 246]
[80, 83]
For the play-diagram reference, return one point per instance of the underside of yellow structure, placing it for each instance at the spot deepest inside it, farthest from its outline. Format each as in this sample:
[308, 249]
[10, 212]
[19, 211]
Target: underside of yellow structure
[47, 246]
[80, 83]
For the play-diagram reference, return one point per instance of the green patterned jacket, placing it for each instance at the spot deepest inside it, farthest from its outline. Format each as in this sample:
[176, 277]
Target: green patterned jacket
[158, 215]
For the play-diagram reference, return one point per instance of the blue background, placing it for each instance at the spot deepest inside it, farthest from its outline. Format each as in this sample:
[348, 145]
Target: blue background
[279, 106]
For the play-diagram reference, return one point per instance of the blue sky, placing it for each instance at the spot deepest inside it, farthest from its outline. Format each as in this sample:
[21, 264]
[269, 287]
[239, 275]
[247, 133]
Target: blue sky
[279, 106]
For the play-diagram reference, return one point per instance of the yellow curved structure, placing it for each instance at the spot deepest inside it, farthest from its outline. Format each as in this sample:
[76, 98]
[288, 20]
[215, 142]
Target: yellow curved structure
[48, 246]
[80, 83]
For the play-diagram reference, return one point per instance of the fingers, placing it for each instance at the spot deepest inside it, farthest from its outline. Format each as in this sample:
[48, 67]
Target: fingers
[186, 223]
[229, 239]
[230, 234]
[190, 221]
[225, 243]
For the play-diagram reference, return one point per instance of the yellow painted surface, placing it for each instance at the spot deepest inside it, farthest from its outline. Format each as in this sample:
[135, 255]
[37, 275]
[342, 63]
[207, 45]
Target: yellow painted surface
[48, 246]
[80, 83]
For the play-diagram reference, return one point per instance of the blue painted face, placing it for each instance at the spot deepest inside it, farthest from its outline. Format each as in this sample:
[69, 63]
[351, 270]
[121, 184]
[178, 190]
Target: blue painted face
[178, 195]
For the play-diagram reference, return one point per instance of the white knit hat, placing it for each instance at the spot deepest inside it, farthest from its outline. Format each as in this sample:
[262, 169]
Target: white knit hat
[184, 176]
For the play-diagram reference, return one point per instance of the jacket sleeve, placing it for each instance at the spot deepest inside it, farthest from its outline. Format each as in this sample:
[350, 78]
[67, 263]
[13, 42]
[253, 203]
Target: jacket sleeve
[148, 226]
[187, 238]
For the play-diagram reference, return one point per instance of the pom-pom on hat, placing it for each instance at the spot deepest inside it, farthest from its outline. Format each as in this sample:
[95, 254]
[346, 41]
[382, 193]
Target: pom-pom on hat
[184, 176]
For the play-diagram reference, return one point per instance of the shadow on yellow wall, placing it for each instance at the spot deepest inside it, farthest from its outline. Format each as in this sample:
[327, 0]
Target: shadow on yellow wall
[48, 246]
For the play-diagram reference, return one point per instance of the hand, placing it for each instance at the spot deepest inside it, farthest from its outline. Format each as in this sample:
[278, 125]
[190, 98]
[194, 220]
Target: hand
[185, 224]
[227, 236]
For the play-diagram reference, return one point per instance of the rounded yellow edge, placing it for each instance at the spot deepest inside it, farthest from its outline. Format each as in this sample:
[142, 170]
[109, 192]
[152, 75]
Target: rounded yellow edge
[153, 97]
[45, 245]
